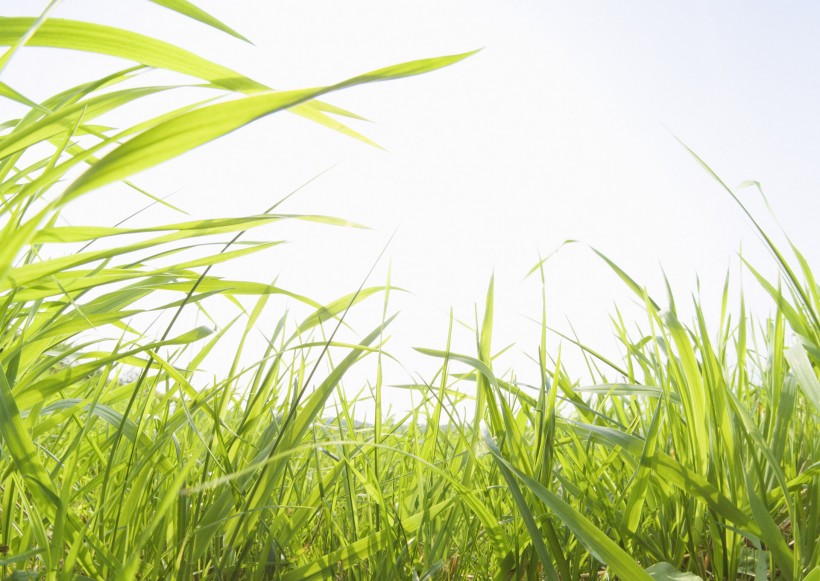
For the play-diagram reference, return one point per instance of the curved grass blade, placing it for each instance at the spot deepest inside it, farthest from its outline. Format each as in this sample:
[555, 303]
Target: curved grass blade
[190, 130]
[192, 11]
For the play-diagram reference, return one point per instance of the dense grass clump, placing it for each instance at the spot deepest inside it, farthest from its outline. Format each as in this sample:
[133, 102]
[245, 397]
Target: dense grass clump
[694, 456]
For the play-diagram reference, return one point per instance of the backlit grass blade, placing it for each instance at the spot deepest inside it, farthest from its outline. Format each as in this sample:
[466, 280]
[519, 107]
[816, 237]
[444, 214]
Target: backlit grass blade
[797, 322]
[14, 95]
[334, 308]
[197, 13]
[693, 395]
[41, 389]
[190, 130]
[782, 263]
[117, 42]
[28, 273]
[806, 376]
[58, 122]
[627, 389]
[629, 281]
[598, 543]
[674, 473]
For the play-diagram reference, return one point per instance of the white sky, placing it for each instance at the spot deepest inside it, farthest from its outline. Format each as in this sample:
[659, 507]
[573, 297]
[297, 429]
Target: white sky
[561, 127]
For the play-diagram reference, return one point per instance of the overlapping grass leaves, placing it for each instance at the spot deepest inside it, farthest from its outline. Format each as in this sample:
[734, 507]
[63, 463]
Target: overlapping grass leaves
[694, 456]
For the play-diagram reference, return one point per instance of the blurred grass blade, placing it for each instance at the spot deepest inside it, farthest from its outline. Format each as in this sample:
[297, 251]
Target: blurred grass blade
[192, 11]
[667, 572]
[24, 38]
[118, 42]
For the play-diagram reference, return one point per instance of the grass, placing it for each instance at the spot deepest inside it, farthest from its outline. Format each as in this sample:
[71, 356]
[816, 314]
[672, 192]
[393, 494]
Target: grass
[693, 456]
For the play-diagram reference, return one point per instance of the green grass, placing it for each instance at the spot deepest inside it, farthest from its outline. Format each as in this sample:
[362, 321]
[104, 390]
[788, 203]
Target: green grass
[696, 452]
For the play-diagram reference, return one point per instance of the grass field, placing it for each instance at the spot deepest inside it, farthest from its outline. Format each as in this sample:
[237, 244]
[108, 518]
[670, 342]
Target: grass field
[694, 456]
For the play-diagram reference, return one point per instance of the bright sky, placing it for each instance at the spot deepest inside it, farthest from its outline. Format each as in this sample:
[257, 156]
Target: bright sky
[563, 126]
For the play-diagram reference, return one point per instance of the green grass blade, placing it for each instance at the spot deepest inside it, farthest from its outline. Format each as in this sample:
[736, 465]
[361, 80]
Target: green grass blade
[595, 540]
[806, 376]
[190, 130]
[192, 11]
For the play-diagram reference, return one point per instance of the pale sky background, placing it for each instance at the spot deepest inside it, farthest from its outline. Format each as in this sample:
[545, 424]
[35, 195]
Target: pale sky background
[563, 126]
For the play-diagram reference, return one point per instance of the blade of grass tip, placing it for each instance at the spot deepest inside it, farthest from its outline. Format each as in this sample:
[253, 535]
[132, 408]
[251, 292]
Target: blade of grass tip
[192, 11]
[634, 286]
[796, 321]
[546, 424]
[541, 261]
[332, 309]
[14, 95]
[137, 213]
[769, 243]
[614, 366]
[813, 288]
[486, 388]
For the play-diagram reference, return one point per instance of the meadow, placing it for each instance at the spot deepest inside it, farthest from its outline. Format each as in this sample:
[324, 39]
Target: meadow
[693, 456]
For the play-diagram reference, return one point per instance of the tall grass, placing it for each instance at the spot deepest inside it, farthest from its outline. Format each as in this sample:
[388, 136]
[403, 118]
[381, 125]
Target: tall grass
[697, 452]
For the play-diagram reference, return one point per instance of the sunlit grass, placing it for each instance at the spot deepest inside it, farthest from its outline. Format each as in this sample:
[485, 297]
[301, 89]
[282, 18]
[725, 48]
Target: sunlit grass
[696, 452]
